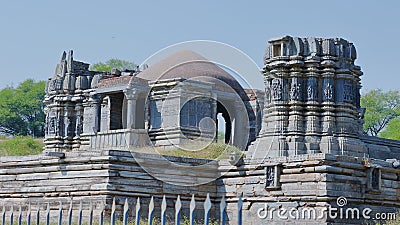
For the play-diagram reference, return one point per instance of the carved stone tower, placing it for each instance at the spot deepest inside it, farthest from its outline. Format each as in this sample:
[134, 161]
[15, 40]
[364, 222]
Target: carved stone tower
[312, 98]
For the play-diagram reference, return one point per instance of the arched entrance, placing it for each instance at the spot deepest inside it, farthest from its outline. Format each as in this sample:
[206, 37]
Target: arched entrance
[223, 121]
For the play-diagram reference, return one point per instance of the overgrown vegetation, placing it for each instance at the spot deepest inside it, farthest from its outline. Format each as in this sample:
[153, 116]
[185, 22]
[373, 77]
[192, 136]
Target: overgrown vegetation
[203, 151]
[19, 146]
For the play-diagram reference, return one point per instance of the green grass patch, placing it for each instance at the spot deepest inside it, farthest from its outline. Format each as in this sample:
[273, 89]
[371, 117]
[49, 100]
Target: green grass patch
[20, 145]
[203, 151]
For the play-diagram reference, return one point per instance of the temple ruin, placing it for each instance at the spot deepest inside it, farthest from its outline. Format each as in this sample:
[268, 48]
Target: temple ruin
[301, 136]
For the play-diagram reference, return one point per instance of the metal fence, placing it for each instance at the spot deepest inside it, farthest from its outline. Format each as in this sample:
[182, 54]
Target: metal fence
[101, 218]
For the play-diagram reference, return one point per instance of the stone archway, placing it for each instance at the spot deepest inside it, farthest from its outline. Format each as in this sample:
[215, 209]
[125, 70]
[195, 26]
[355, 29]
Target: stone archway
[227, 120]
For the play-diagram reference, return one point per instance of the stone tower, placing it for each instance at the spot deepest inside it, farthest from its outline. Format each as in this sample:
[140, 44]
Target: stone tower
[312, 98]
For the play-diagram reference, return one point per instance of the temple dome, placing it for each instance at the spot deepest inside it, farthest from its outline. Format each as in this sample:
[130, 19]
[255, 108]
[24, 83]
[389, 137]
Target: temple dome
[190, 65]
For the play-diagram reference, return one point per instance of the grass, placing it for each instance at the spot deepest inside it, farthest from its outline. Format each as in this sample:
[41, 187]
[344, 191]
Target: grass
[26, 145]
[20, 145]
[203, 151]
[220, 136]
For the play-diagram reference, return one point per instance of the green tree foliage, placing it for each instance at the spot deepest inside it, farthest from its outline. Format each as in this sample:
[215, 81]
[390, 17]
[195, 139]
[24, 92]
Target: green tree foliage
[21, 109]
[381, 108]
[392, 130]
[113, 63]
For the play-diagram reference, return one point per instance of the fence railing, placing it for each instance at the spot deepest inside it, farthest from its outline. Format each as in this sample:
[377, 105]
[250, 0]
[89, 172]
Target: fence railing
[126, 209]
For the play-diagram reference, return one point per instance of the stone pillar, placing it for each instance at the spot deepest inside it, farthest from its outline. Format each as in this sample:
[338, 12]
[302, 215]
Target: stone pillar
[131, 97]
[214, 105]
[54, 122]
[105, 114]
[241, 126]
[312, 107]
[79, 119]
[296, 119]
[69, 125]
[78, 125]
[329, 143]
[91, 116]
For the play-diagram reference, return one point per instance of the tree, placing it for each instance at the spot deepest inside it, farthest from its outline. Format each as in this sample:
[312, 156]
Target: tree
[21, 109]
[381, 108]
[113, 63]
[392, 130]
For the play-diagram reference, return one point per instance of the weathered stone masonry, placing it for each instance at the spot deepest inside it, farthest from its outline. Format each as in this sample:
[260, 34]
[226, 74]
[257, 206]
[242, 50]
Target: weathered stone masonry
[309, 149]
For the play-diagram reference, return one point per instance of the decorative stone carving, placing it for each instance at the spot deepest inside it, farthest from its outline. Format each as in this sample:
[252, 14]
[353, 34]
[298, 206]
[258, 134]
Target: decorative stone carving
[270, 176]
[296, 90]
[348, 91]
[329, 75]
[328, 92]
[312, 92]
[276, 89]
[267, 92]
[79, 120]
[328, 47]
[55, 84]
[52, 126]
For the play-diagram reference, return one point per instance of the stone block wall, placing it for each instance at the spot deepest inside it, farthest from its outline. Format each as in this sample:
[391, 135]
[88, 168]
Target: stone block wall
[310, 182]
[99, 176]
[306, 182]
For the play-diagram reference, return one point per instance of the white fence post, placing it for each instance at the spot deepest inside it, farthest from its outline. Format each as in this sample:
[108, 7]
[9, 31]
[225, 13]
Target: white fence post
[126, 210]
[207, 210]
[28, 215]
[137, 215]
[178, 207]
[151, 211]
[222, 209]
[48, 214]
[70, 213]
[113, 207]
[192, 208]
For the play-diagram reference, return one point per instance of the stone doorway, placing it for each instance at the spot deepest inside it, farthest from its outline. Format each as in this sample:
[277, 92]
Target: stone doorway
[223, 117]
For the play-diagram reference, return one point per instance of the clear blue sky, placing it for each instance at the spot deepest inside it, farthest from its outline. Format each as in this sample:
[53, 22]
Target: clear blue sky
[34, 33]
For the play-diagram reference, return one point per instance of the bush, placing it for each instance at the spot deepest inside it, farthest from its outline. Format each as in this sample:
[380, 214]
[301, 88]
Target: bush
[21, 145]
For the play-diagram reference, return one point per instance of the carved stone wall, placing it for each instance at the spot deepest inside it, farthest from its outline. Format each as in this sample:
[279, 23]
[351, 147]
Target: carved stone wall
[312, 97]
[67, 101]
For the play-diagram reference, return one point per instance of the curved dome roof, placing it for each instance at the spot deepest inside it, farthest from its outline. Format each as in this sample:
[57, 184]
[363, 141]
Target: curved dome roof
[190, 65]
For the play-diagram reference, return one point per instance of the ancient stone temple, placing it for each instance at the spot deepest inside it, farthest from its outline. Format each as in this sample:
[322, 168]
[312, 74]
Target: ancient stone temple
[176, 99]
[305, 157]
[311, 142]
